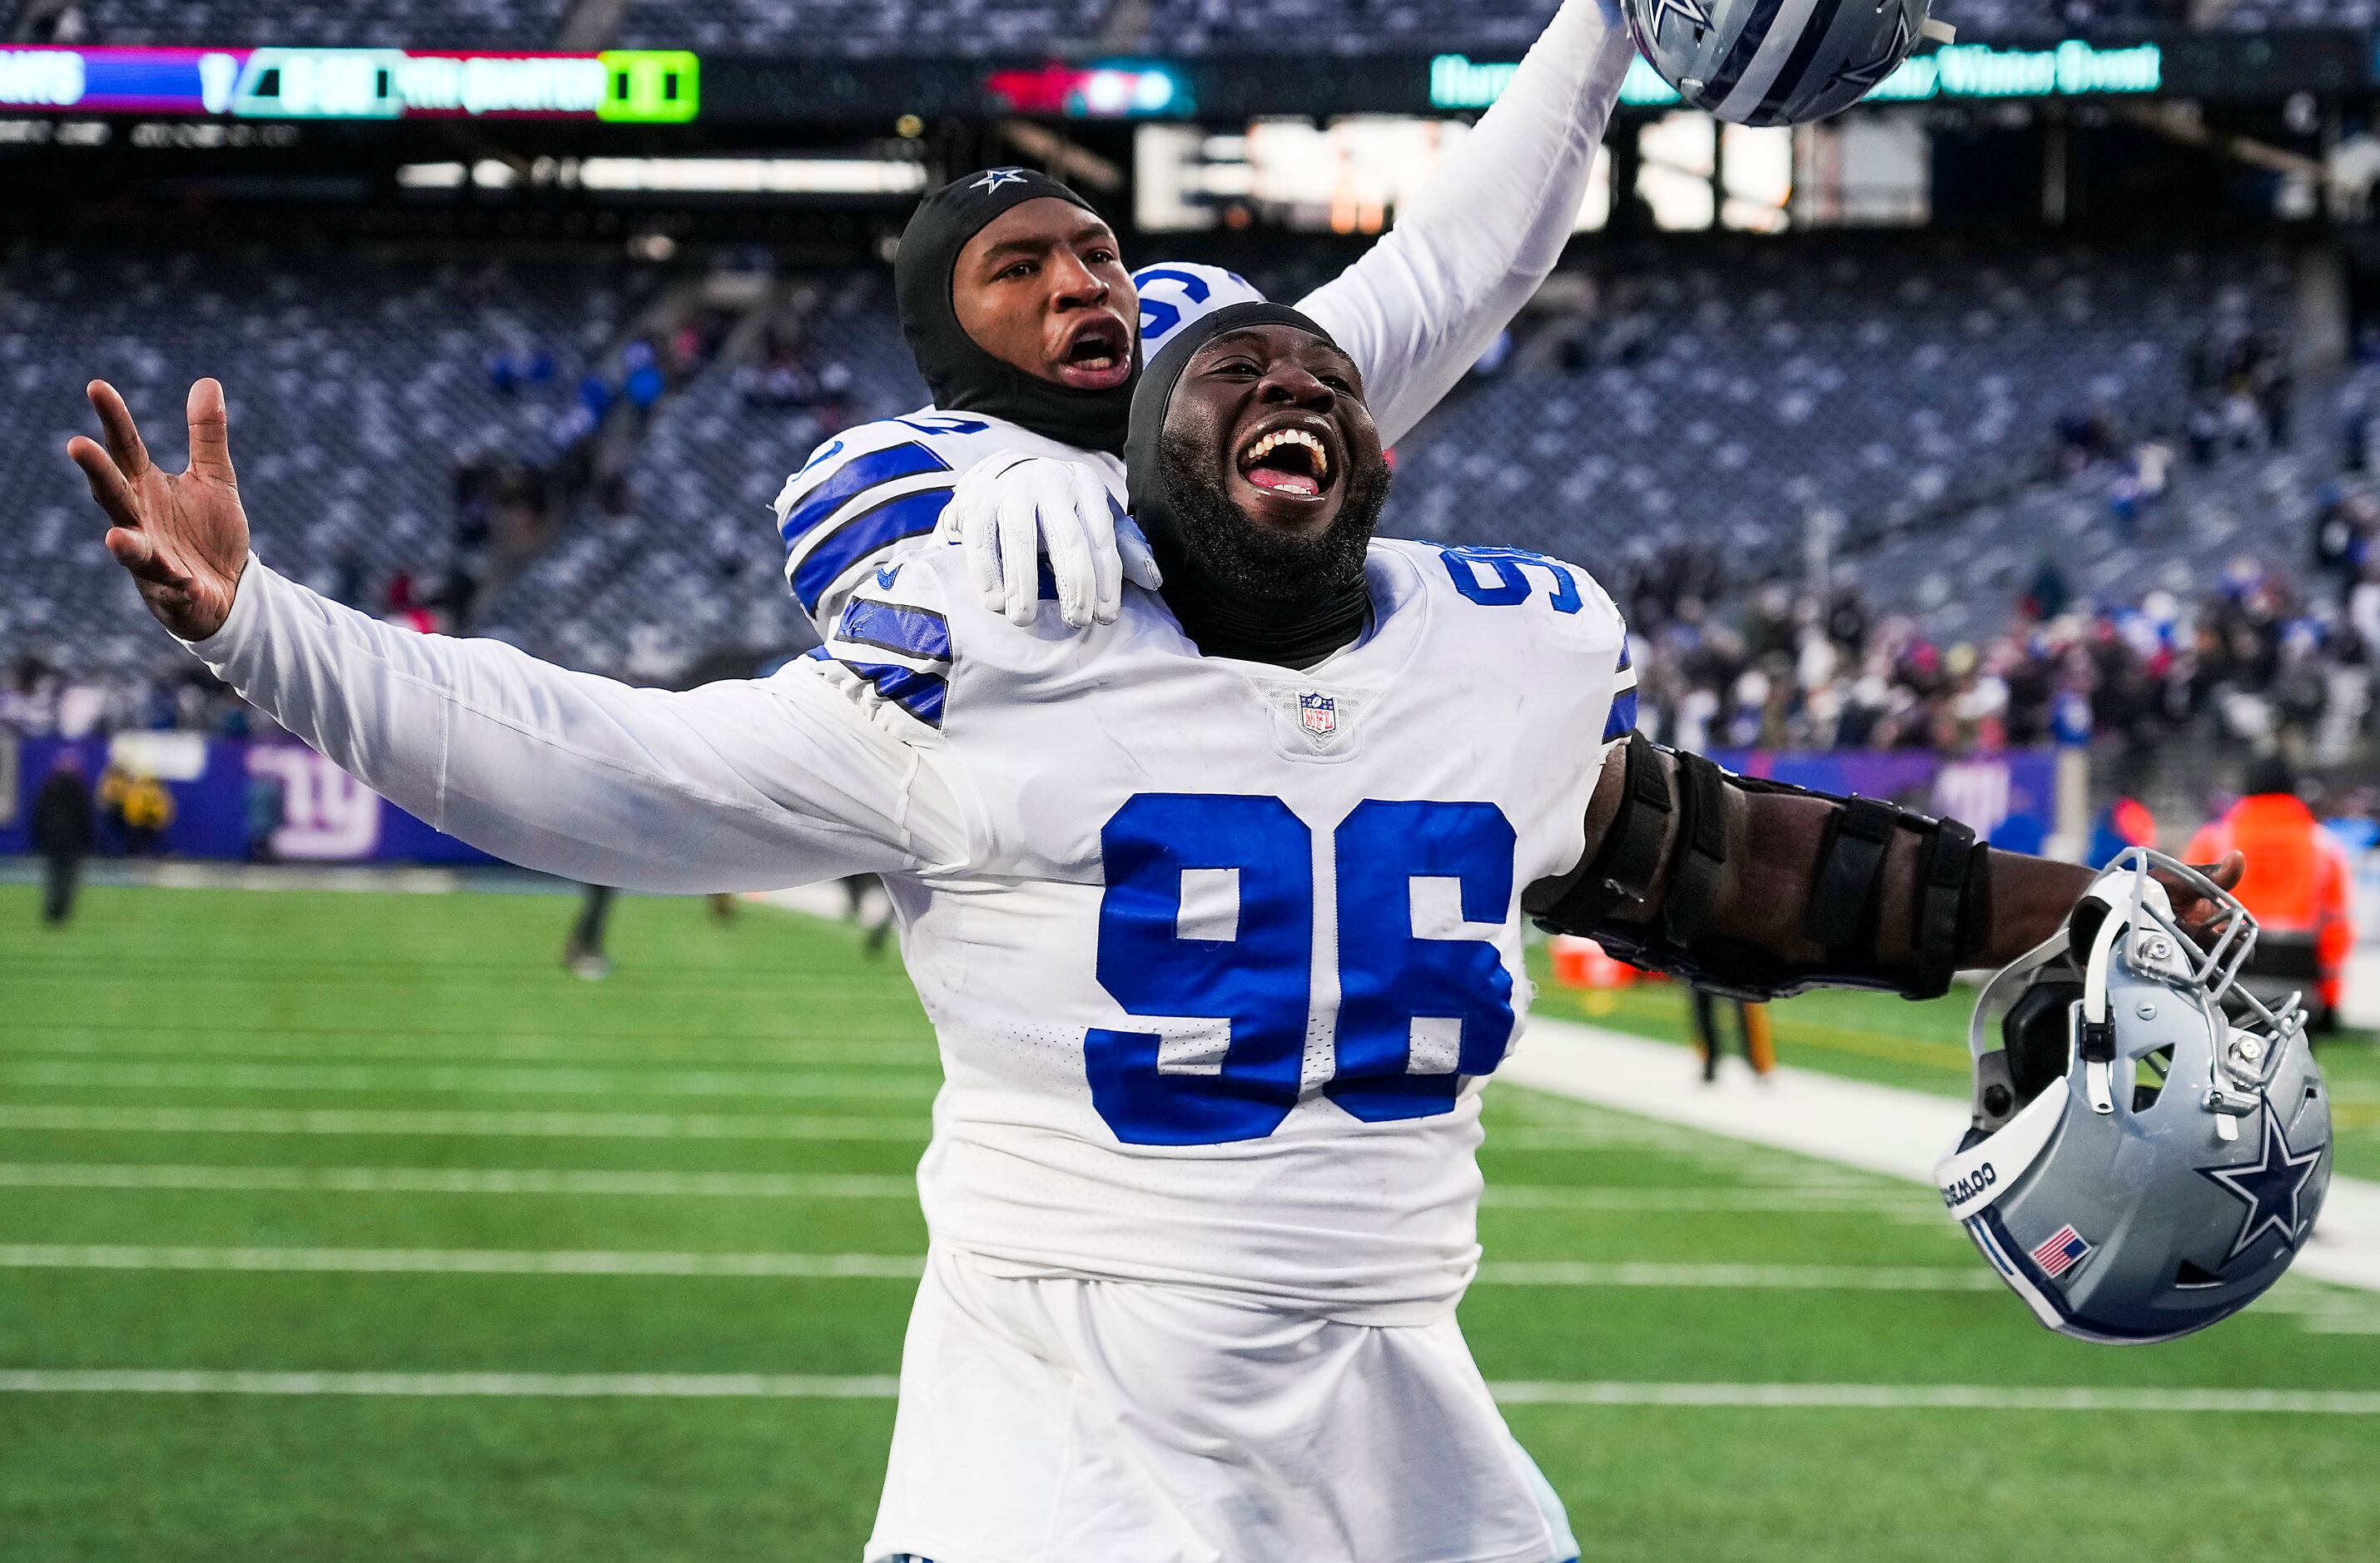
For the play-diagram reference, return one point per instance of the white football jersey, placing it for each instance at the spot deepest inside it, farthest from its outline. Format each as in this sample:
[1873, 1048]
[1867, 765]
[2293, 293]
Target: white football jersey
[1219, 952]
[1235, 947]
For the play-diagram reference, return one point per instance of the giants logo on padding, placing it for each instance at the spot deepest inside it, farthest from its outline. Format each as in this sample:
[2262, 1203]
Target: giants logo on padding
[326, 815]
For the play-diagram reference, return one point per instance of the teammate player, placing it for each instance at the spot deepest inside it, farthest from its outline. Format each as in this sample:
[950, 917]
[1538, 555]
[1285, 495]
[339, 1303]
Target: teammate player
[1217, 912]
[1022, 321]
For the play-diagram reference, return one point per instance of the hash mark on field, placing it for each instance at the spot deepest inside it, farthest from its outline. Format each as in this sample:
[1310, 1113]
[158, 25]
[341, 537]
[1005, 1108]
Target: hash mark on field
[807, 1386]
[457, 1181]
[435, 1122]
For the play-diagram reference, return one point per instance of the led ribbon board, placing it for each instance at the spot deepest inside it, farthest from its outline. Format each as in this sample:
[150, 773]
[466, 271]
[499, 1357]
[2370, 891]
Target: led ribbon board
[635, 86]
[1959, 70]
[1115, 90]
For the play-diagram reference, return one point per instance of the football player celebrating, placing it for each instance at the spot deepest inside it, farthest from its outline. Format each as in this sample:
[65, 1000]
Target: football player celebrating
[1216, 908]
[1029, 333]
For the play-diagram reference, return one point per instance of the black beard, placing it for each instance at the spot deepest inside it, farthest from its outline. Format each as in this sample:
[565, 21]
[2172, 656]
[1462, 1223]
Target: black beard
[1271, 567]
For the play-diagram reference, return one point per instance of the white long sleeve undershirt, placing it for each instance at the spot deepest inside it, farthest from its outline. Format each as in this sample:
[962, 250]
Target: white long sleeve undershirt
[743, 785]
[1418, 310]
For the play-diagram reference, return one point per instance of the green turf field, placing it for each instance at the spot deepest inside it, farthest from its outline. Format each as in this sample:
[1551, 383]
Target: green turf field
[289, 1141]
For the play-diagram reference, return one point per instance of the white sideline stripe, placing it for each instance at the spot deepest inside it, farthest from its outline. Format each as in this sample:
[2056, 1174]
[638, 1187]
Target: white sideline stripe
[823, 1185]
[461, 1261]
[498, 1080]
[1810, 1201]
[1532, 1392]
[1876, 1128]
[1763, 1278]
[494, 1386]
[899, 1266]
[1938, 1396]
[456, 1181]
[435, 1122]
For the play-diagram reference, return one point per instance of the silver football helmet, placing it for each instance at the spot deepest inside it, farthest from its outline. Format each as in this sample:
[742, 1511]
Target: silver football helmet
[1760, 62]
[2151, 1142]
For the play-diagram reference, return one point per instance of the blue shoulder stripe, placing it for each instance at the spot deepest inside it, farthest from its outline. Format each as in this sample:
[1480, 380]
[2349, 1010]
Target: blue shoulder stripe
[855, 478]
[1622, 720]
[891, 626]
[920, 694]
[911, 516]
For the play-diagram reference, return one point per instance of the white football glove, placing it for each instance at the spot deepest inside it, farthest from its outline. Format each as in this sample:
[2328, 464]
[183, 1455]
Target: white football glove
[1009, 511]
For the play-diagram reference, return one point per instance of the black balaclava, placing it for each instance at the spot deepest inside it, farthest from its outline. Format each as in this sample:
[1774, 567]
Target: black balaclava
[1214, 557]
[963, 377]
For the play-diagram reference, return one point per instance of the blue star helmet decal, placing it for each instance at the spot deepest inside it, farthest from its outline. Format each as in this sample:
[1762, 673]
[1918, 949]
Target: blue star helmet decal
[2269, 1186]
[995, 178]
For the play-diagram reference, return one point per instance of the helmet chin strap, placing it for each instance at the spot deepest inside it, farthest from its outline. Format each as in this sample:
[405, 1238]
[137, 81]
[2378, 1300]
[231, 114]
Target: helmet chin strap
[2098, 1034]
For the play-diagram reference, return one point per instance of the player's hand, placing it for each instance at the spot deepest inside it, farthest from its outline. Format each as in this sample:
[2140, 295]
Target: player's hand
[183, 538]
[2199, 916]
[1011, 511]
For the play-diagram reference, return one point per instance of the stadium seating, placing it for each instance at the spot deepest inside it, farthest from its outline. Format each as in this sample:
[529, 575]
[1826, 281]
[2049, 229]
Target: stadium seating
[383, 24]
[695, 566]
[1882, 385]
[865, 27]
[355, 382]
[1909, 388]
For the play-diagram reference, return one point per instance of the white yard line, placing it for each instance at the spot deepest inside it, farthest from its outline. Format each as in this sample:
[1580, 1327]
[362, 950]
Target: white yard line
[892, 1055]
[462, 1260]
[1529, 1392]
[480, 1079]
[877, 1266]
[456, 1181]
[438, 1124]
[796, 1186]
[1875, 1128]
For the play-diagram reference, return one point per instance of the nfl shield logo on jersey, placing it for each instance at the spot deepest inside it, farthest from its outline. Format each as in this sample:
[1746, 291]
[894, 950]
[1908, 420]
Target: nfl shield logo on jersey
[1319, 713]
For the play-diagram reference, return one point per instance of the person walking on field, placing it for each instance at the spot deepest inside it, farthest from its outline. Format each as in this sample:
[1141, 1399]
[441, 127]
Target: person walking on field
[62, 833]
[1752, 1028]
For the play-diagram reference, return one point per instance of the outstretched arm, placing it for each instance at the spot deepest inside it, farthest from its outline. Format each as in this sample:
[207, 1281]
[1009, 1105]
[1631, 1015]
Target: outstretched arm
[1422, 305]
[740, 785]
[1781, 871]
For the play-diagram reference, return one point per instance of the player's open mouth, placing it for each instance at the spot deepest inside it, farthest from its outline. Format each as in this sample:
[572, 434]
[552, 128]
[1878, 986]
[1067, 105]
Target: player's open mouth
[1099, 358]
[1291, 462]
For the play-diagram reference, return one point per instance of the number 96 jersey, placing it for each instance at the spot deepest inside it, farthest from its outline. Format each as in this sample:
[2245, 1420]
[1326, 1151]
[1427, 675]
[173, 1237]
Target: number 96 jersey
[1234, 948]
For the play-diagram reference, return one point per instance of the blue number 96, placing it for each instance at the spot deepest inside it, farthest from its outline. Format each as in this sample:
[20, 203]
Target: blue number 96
[1416, 1014]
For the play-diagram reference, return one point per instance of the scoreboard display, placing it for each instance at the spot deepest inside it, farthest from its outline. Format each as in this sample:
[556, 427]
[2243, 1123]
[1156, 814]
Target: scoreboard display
[628, 86]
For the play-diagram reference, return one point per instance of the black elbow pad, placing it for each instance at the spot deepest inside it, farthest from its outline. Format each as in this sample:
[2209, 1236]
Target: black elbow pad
[1951, 905]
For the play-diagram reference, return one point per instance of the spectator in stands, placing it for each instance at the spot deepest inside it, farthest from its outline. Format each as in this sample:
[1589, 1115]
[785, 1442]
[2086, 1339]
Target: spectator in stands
[2125, 822]
[62, 834]
[2300, 885]
[406, 608]
[2344, 529]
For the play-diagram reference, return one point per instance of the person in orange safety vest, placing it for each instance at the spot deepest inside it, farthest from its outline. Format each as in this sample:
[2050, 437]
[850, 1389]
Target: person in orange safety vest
[2299, 884]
